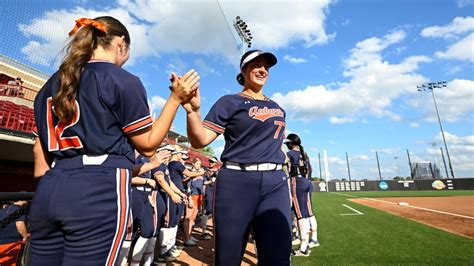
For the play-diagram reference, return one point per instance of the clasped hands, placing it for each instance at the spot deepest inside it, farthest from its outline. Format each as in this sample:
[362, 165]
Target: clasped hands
[185, 89]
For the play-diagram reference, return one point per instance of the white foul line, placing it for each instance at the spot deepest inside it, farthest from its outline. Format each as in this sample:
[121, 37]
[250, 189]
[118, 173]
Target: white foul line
[426, 209]
[354, 210]
[347, 195]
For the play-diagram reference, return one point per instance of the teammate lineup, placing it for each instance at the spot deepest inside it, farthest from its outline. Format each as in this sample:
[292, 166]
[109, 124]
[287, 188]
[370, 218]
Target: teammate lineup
[110, 192]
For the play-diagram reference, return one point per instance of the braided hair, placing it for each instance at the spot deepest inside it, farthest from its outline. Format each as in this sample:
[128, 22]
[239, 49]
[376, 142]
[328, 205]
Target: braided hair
[296, 141]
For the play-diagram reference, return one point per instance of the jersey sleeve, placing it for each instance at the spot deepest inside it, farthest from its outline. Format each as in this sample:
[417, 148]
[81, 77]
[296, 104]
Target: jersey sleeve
[160, 170]
[180, 168]
[132, 108]
[291, 157]
[219, 115]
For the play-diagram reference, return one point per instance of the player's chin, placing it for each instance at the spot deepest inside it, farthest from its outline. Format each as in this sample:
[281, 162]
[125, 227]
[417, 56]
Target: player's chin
[260, 82]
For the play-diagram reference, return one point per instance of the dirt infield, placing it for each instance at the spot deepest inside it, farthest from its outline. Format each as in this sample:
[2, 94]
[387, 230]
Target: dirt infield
[451, 214]
[203, 253]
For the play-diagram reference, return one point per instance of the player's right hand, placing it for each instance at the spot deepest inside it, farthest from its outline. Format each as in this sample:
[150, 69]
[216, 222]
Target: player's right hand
[183, 88]
[160, 157]
[194, 104]
[176, 198]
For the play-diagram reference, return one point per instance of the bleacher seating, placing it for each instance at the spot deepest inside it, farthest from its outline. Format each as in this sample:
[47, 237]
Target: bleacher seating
[16, 117]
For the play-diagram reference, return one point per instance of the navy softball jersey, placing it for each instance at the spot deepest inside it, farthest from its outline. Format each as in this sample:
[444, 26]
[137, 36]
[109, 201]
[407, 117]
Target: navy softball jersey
[301, 188]
[209, 191]
[176, 170]
[253, 132]
[160, 201]
[196, 185]
[110, 104]
[81, 206]
[167, 200]
[142, 210]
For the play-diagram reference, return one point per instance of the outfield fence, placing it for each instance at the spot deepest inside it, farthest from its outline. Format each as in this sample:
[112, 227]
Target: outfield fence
[395, 185]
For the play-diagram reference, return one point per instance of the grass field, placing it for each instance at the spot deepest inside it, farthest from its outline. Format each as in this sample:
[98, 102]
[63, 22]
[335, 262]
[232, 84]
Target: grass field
[380, 238]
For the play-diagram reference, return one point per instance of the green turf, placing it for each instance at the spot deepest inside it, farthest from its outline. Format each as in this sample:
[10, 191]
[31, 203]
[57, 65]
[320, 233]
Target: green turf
[379, 238]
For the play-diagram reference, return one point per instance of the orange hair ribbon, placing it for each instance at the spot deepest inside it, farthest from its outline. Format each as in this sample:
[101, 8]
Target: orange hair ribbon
[87, 22]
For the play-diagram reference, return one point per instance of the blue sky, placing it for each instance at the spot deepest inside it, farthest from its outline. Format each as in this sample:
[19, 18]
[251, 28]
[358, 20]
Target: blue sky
[347, 70]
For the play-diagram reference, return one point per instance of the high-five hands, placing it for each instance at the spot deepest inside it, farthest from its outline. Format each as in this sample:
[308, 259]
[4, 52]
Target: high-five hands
[194, 104]
[184, 88]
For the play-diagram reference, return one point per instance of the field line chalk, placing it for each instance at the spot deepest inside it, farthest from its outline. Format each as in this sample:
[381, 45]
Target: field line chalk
[347, 195]
[354, 210]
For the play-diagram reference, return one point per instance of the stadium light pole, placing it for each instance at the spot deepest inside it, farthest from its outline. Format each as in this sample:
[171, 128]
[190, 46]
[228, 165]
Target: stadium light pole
[444, 162]
[320, 171]
[431, 86]
[378, 165]
[244, 33]
[398, 166]
[348, 167]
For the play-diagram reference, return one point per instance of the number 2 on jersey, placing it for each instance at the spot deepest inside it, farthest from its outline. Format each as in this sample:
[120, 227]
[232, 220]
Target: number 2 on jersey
[280, 125]
[56, 141]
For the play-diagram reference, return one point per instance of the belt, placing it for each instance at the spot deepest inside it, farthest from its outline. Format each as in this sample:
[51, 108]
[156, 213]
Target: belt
[78, 161]
[146, 189]
[253, 166]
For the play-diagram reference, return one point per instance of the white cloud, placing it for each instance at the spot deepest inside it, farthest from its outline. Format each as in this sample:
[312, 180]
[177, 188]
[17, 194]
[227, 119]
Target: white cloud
[463, 3]
[387, 151]
[203, 68]
[340, 120]
[414, 125]
[362, 157]
[186, 26]
[461, 50]
[336, 160]
[373, 84]
[51, 29]
[461, 151]
[454, 101]
[459, 26]
[294, 60]
[156, 103]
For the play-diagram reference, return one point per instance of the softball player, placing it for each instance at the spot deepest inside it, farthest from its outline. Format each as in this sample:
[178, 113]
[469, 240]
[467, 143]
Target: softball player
[251, 188]
[301, 189]
[210, 179]
[90, 115]
[196, 189]
[147, 211]
[167, 193]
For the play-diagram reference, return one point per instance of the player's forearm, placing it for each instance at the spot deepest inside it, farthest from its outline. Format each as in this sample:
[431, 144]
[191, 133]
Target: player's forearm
[195, 130]
[21, 228]
[190, 174]
[164, 185]
[162, 125]
[176, 189]
[41, 159]
[139, 180]
[143, 168]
